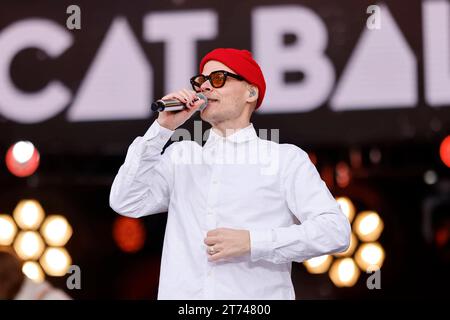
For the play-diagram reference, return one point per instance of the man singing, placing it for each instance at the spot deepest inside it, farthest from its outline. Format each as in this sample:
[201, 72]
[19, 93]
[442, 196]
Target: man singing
[234, 224]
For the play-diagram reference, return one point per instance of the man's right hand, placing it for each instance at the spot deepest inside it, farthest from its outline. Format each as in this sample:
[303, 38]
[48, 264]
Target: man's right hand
[173, 119]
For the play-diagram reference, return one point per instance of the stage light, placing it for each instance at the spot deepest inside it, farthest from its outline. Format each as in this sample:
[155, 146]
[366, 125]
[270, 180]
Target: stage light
[375, 155]
[355, 158]
[444, 151]
[369, 254]
[28, 214]
[56, 230]
[347, 207]
[33, 271]
[29, 245]
[346, 266]
[56, 261]
[23, 151]
[344, 272]
[22, 159]
[318, 264]
[430, 177]
[368, 226]
[351, 248]
[129, 234]
[343, 174]
[8, 230]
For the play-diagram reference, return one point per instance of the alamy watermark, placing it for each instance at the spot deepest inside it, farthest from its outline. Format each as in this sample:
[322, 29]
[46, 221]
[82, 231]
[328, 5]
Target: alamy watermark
[74, 20]
[374, 20]
[230, 150]
[374, 280]
[74, 280]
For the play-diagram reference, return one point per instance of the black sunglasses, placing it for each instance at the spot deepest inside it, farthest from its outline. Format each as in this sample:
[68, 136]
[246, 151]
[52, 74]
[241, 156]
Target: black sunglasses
[216, 78]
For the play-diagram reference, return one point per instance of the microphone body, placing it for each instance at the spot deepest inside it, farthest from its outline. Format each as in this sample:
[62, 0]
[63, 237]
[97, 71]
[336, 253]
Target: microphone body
[176, 105]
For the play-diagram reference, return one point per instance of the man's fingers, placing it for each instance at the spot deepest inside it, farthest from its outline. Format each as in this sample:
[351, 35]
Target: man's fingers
[180, 95]
[211, 233]
[210, 241]
[217, 256]
[186, 98]
[214, 249]
[190, 94]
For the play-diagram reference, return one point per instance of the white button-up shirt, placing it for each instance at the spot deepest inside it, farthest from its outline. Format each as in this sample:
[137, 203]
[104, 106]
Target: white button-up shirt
[240, 182]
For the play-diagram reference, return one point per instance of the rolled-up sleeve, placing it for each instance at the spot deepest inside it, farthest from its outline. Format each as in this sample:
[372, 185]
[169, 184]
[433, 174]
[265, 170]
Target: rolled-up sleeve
[322, 229]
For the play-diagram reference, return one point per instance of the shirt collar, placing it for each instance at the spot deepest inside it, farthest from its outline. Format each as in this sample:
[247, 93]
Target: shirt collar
[239, 135]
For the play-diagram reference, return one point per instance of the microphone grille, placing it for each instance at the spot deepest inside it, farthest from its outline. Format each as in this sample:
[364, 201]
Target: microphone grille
[204, 98]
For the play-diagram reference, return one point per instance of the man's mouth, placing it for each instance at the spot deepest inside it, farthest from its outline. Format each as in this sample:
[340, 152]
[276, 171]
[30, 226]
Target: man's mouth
[212, 100]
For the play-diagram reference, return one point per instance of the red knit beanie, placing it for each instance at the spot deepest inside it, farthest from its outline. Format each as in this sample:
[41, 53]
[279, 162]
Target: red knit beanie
[241, 62]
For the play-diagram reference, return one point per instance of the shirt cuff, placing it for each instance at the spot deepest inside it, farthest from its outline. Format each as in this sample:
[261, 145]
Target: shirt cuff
[261, 244]
[158, 134]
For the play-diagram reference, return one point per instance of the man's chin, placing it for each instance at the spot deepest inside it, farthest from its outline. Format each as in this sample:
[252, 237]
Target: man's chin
[206, 114]
[210, 116]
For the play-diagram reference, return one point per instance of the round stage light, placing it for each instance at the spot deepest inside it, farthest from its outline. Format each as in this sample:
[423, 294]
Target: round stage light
[369, 254]
[22, 159]
[318, 265]
[129, 234]
[29, 214]
[8, 230]
[351, 248]
[347, 207]
[444, 151]
[33, 271]
[29, 245]
[56, 230]
[344, 272]
[368, 226]
[56, 261]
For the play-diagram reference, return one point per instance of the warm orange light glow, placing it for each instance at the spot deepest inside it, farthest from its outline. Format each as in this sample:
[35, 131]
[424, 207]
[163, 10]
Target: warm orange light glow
[368, 226]
[129, 234]
[8, 230]
[29, 214]
[56, 261]
[56, 230]
[351, 247]
[344, 272]
[347, 207]
[29, 245]
[33, 271]
[444, 151]
[318, 264]
[370, 254]
[343, 174]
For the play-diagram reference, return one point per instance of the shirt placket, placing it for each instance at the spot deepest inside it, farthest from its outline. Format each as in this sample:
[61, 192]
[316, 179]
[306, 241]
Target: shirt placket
[211, 212]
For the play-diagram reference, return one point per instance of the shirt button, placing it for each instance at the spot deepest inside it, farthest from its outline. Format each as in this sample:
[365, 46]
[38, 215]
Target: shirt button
[215, 181]
[209, 273]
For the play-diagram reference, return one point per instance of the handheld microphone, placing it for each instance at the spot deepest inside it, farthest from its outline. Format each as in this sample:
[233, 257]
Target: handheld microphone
[175, 105]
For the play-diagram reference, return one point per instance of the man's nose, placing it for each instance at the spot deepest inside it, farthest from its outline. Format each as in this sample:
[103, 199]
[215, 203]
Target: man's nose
[206, 86]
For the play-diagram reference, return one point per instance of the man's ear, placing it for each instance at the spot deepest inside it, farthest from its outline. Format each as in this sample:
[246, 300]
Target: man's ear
[252, 94]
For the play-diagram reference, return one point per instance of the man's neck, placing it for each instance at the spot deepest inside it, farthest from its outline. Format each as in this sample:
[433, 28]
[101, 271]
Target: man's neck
[226, 129]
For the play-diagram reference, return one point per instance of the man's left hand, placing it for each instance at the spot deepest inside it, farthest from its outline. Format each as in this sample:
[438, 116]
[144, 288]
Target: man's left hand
[226, 243]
